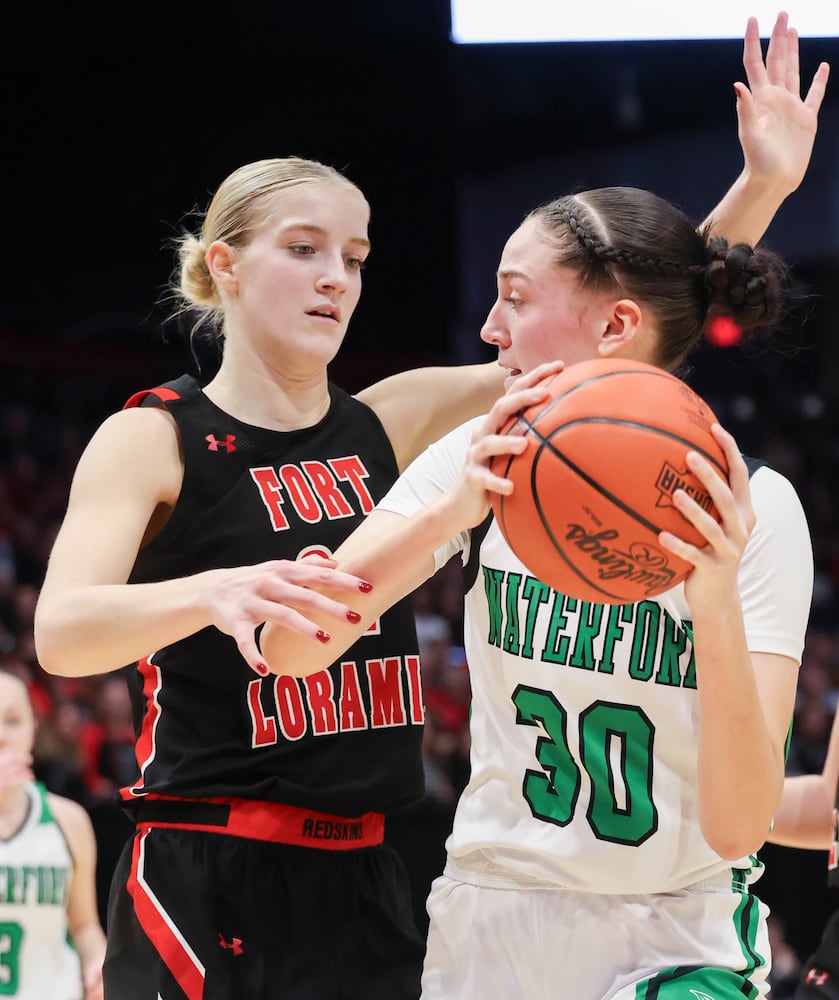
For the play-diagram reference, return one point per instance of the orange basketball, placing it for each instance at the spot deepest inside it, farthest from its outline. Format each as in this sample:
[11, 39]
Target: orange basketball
[594, 486]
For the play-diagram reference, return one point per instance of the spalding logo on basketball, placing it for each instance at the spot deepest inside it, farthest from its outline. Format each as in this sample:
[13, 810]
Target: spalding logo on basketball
[594, 487]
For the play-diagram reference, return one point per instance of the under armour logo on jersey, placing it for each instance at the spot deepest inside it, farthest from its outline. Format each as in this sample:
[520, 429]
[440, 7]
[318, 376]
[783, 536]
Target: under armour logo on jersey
[213, 443]
[234, 944]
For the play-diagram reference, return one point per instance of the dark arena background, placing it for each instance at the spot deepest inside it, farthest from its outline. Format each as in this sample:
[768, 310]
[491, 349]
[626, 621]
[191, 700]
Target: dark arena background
[118, 120]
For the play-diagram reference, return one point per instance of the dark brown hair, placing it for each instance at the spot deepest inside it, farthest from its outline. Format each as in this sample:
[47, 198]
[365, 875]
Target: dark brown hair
[635, 241]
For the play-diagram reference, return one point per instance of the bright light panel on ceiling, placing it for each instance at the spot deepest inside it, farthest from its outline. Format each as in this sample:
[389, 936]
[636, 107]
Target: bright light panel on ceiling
[619, 20]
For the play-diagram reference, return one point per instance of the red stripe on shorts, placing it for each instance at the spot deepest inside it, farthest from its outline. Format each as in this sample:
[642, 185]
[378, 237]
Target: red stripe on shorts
[172, 947]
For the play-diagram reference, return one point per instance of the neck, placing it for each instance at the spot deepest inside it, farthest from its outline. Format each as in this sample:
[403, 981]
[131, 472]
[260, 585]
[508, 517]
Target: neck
[14, 805]
[269, 399]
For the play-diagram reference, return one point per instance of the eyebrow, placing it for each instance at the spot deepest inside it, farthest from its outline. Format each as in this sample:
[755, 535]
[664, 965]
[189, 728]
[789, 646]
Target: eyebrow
[320, 231]
[508, 273]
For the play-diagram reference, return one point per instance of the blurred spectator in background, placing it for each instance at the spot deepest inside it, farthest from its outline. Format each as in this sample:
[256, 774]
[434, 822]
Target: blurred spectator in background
[107, 741]
[52, 941]
[59, 760]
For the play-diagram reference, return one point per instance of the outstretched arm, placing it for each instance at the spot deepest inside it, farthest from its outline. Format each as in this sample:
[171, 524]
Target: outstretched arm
[418, 406]
[396, 552]
[777, 129]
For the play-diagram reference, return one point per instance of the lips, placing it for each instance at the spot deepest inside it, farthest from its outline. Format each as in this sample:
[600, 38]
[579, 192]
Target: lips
[325, 312]
[511, 377]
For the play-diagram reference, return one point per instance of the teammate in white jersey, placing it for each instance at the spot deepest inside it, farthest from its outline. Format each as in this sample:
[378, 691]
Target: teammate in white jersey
[51, 942]
[626, 761]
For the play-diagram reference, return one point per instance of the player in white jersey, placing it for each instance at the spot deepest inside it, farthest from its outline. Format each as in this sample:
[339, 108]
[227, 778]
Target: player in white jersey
[626, 760]
[51, 941]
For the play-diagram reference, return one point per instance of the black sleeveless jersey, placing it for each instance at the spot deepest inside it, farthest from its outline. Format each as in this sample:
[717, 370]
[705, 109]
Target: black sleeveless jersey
[344, 741]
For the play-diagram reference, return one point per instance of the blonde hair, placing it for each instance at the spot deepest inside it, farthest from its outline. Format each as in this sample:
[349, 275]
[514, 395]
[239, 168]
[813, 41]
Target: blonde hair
[240, 204]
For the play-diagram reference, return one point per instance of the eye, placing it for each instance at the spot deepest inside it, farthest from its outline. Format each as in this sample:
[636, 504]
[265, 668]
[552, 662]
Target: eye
[514, 301]
[356, 263]
[302, 248]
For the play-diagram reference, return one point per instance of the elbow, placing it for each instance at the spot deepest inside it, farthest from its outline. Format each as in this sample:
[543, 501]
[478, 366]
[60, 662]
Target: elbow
[50, 660]
[735, 847]
[48, 647]
[731, 844]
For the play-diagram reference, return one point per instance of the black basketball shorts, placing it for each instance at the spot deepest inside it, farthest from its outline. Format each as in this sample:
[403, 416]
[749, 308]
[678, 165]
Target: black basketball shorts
[820, 975]
[200, 914]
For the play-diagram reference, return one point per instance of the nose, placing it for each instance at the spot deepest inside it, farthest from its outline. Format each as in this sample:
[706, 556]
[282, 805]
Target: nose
[494, 331]
[334, 274]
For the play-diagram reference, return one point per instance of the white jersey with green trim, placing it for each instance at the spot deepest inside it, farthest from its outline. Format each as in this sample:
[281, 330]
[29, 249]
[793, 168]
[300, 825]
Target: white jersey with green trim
[37, 961]
[584, 716]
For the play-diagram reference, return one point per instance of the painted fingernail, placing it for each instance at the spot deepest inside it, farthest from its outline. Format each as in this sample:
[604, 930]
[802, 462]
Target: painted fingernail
[354, 617]
[261, 669]
[365, 587]
[322, 636]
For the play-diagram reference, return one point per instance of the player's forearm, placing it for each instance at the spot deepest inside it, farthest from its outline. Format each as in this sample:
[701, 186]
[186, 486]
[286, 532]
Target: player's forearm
[96, 629]
[89, 942]
[748, 207]
[395, 555]
[804, 817]
[740, 766]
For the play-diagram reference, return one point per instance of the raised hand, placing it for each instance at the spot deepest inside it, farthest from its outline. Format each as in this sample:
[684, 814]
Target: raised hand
[776, 127]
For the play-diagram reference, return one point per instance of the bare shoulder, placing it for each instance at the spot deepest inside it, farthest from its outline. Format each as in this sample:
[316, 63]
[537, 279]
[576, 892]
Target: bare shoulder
[125, 429]
[143, 443]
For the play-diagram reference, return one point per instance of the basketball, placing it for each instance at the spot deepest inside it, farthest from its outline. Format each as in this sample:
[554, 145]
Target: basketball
[594, 486]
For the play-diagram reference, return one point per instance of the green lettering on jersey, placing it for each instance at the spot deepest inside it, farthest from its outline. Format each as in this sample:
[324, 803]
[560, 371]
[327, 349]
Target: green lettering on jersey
[557, 643]
[26, 883]
[493, 580]
[536, 594]
[585, 634]
[674, 643]
[618, 613]
[11, 935]
[512, 643]
[642, 654]
[551, 792]
[617, 752]
[54, 885]
[690, 672]
[588, 628]
[7, 883]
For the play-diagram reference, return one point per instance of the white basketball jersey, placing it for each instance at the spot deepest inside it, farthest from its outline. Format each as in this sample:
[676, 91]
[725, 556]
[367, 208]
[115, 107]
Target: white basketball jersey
[584, 716]
[36, 868]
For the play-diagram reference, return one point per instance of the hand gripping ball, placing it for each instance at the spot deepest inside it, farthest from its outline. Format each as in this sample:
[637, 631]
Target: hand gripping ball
[594, 486]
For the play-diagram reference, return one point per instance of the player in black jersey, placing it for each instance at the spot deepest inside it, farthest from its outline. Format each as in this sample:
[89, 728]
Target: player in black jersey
[258, 869]
[808, 818]
[198, 513]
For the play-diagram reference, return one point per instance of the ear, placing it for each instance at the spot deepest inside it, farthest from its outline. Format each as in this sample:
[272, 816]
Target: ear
[221, 263]
[622, 328]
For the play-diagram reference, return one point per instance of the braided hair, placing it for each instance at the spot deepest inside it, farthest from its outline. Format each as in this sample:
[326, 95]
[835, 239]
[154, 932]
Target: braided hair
[632, 240]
